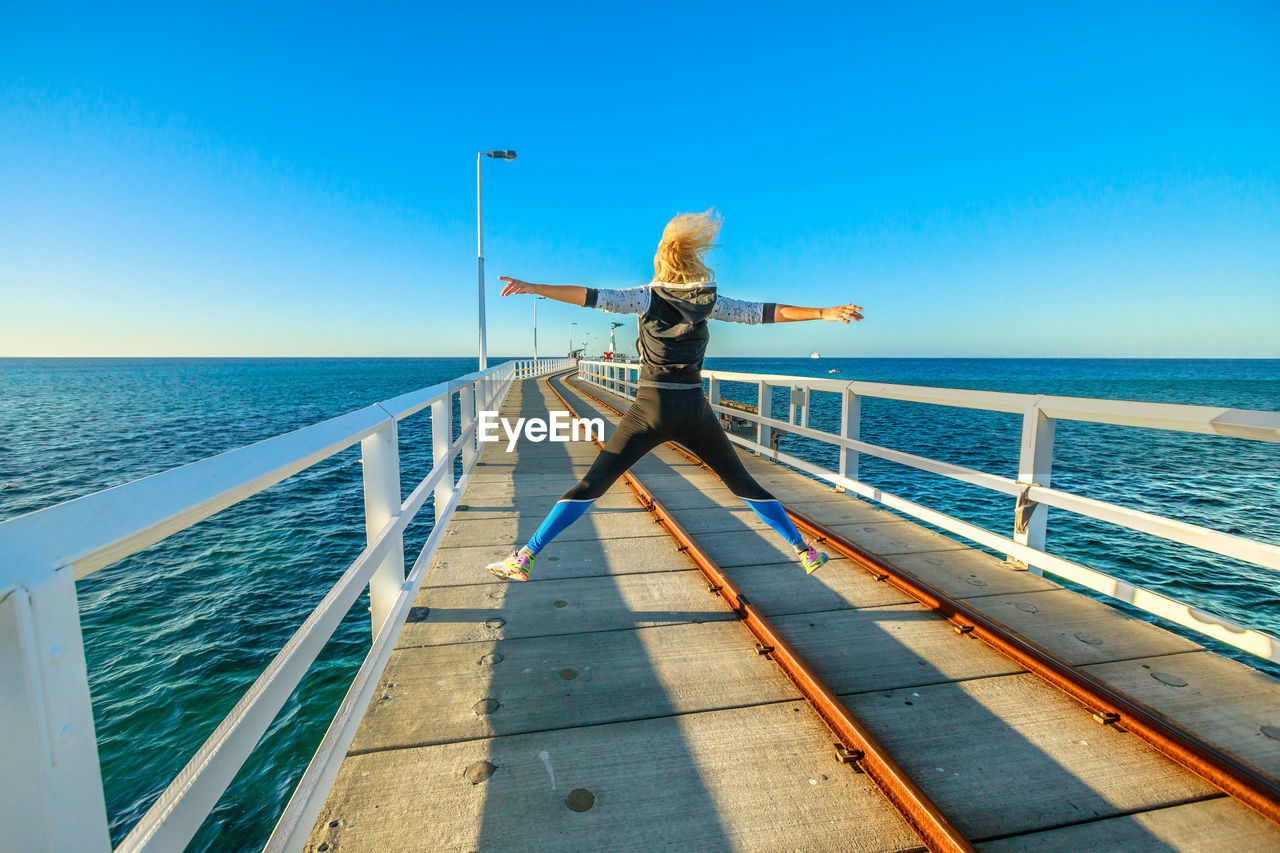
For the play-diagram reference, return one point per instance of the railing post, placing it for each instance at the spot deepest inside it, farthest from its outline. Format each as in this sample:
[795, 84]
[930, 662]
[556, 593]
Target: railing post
[850, 427]
[441, 438]
[50, 785]
[1035, 464]
[799, 399]
[380, 457]
[713, 391]
[467, 414]
[764, 408]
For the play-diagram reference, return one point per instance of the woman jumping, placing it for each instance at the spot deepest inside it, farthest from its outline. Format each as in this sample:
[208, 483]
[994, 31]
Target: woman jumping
[673, 311]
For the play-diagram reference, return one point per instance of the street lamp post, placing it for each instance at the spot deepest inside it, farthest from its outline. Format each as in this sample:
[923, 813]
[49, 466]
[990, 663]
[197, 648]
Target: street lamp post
[535, 326]
[571, 325]
[497, 155]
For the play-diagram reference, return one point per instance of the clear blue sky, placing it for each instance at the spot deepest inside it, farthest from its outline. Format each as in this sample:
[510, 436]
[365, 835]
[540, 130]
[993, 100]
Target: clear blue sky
[1003, 180]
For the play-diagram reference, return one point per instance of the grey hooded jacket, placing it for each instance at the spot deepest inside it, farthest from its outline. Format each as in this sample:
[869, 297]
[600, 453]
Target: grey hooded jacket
[672, 320]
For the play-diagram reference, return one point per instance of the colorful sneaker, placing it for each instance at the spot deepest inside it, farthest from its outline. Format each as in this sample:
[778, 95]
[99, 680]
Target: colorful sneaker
[811, 558]
[513, 568]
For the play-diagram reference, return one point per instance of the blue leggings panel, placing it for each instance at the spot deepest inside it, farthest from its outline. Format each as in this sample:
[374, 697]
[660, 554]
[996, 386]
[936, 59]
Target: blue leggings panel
[776, 517]
[564, 513]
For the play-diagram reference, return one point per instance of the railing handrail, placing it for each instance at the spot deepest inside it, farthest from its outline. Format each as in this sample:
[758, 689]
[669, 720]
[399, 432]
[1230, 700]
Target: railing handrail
[1253, 424]
[102, 528]
[50, 756]
[1031, 488]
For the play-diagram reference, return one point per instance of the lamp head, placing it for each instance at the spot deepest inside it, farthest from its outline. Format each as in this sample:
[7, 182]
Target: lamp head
[500, 155]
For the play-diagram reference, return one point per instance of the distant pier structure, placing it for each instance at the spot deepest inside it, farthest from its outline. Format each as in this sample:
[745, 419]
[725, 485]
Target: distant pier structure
[670, 678]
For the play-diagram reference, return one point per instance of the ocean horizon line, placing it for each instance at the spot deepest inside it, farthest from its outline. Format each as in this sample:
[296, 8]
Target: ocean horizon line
[500, 359]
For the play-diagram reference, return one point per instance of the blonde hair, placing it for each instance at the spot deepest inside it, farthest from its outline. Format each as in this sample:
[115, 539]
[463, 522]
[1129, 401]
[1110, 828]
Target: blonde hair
[684, 241]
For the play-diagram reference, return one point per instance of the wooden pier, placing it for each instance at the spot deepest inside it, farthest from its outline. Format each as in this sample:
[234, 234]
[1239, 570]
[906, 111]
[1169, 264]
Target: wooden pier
[611, 703]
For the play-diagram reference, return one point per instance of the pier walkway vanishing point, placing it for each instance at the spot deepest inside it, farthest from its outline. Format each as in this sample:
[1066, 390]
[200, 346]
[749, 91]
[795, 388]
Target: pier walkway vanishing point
[612, 703]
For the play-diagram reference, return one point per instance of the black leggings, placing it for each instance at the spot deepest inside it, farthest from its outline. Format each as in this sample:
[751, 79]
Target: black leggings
[657, 415]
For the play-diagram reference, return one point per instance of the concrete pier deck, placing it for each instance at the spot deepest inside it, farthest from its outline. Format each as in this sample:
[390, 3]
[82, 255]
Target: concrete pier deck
[612, 704]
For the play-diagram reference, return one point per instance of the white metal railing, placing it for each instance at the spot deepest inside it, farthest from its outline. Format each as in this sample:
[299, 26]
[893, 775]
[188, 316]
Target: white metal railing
[51, 795]
[538, 367]
[1031, 489]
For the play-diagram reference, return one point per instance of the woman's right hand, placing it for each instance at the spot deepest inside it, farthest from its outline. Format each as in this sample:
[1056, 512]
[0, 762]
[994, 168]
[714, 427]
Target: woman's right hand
[515, 285]
[843, 313]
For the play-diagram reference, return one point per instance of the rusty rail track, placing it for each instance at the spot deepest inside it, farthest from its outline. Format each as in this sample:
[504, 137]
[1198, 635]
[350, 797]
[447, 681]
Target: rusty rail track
[856, 746]
[1107, 705]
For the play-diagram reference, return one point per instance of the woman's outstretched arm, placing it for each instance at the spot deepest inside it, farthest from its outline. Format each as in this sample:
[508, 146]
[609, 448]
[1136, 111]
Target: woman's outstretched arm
[839, 314]
[570, 293]
[738, 311]
[630, 300]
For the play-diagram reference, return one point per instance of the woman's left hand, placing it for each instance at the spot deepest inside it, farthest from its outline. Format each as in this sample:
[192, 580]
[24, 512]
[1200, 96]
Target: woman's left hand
[843, 313]
[515, 285]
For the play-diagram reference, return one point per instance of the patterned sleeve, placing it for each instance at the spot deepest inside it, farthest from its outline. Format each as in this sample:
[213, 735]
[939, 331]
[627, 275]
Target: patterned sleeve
[631, 300]
[738, 311]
